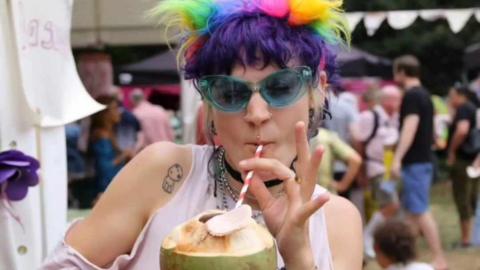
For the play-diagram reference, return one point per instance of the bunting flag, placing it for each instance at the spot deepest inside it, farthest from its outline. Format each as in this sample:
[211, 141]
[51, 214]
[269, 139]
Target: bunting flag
[401, 19]
[373, 21]
[456, 18]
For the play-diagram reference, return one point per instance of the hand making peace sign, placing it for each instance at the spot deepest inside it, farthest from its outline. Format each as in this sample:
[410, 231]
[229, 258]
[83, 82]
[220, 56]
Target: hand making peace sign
[287, 216]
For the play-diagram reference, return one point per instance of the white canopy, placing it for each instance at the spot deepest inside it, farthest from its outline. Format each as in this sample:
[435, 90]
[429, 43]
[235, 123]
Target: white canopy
[116, 22]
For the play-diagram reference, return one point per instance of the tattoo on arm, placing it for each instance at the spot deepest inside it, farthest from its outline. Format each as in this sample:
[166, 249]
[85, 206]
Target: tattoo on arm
[174, 175]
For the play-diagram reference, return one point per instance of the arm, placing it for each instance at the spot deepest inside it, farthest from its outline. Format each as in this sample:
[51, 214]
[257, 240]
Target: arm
[140, 141]
[407, 134]
[344, 152]
[344, 228]
[124, 156]
[121, 213]
[353, 162]
[461, 132]
[103, 149]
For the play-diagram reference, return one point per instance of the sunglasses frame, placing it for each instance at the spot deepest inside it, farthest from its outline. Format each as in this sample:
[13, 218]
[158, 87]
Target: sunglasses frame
[205, 89]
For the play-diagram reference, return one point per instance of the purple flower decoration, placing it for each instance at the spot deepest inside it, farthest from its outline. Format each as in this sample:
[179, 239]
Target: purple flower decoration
[17, 172]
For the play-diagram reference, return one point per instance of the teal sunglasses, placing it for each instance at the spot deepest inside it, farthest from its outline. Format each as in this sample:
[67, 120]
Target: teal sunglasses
[279, 89]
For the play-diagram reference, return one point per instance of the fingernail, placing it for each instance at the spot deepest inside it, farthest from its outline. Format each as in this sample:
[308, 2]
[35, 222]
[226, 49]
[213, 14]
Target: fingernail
[242, 163]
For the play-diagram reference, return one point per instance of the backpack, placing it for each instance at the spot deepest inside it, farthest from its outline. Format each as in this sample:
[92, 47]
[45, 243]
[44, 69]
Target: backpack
[376, 119]
[362, 179]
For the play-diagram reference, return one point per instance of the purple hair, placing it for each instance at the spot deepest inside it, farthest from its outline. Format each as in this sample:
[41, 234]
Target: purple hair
[258, 39]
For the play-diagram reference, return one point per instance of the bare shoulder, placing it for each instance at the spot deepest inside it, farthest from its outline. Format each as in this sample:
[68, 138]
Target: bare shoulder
[345, 235]
[146, 183]
[338, 203]
[341, 214]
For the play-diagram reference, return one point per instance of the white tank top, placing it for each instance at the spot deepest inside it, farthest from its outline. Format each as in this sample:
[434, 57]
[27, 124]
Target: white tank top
[193, 197]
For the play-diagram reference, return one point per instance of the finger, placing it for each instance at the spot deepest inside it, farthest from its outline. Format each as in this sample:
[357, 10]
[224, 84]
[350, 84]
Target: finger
[312, 206]
[261, 193]
[292, 189]
[273, 166]
[312, 173]
[301, 140]
[316, 159]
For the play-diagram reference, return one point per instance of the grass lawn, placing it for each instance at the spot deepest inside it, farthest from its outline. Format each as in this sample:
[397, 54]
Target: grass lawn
[446, 216]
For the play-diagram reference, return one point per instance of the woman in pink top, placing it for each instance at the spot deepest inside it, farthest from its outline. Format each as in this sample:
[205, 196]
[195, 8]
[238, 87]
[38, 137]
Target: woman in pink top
[262, 67]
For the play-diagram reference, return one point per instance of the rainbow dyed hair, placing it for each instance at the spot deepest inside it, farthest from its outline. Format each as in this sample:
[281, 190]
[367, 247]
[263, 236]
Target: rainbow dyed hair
[217, 34]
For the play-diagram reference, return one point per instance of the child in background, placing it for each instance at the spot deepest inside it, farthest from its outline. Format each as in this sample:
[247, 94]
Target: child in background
[395, 247]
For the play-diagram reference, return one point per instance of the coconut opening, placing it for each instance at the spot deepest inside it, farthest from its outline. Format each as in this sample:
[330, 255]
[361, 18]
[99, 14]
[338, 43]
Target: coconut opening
[231, 221]
[207, 217]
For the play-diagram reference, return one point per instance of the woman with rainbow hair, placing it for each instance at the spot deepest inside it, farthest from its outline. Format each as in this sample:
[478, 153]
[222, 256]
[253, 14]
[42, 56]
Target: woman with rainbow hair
[263, 67]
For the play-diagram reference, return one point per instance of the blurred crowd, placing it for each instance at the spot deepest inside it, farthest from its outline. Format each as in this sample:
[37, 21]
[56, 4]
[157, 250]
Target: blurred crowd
[381, 151]
[100, 145]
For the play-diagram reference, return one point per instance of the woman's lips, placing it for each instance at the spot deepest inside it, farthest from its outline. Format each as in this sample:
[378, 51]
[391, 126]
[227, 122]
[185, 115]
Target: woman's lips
[267, 146]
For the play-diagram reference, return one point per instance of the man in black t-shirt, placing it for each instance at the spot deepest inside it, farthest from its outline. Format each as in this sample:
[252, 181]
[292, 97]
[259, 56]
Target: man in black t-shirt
[464, 189]
[413, 156]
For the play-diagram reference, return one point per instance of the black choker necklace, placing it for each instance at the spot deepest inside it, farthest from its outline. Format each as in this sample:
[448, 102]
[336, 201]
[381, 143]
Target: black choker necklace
[238, 176]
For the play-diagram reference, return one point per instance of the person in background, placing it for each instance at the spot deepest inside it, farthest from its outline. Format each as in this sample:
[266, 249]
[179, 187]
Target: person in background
[376, 131]
[370, 98]
[75, 159]
[344, 115]
[359, 194]
[464, 188]
[76, 165]
[335, 150]
[413, 156]
[128, 130]
[476, 226]
[395, 247]
[351, 100]
[154, 120]
[108, 157]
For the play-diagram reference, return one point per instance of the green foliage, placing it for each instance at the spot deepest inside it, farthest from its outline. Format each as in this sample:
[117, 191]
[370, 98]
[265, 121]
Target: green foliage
[440, 51]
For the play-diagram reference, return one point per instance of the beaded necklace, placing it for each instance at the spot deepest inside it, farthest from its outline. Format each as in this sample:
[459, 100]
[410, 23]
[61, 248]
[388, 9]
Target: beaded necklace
[224, 187]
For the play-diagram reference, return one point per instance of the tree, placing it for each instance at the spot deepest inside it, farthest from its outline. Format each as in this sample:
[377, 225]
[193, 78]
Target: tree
[439, 50]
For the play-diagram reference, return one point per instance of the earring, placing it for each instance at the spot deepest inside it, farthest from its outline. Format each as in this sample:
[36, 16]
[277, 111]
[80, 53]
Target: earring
[312, 124]
[213, 131]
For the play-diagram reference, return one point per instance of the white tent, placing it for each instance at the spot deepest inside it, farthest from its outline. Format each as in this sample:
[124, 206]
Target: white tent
[118, 22]
[40, 92]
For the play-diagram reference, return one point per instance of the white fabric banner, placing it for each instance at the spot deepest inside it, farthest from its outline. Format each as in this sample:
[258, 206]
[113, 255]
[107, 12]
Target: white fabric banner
[373, 20]
[353, 18]
[457, 18]
[48, 74]
[432, 14]
[401, 19]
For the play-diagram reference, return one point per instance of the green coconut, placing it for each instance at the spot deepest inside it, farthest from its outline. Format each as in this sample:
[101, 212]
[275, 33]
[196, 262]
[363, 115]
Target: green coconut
[191, 246]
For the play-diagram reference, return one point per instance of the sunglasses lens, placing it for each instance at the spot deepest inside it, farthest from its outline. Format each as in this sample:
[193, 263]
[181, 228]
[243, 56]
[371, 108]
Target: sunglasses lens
[283, 88]
[228, 94]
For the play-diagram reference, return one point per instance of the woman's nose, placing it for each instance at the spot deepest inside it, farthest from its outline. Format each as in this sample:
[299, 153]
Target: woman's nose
[257, 111]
